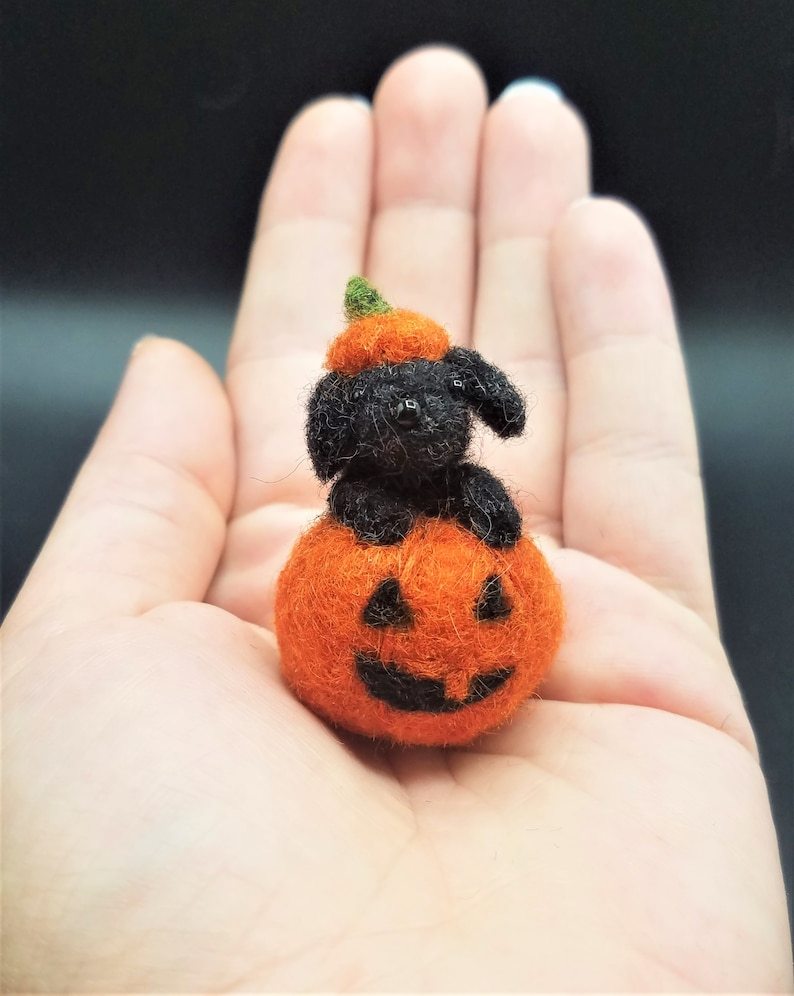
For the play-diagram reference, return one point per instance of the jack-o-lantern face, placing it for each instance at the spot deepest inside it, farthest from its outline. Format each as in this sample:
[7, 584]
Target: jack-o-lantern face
[429, 641]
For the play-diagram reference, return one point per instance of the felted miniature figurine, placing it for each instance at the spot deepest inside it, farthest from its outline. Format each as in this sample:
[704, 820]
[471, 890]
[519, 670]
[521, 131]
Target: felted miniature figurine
[413, 610]
[392, 421]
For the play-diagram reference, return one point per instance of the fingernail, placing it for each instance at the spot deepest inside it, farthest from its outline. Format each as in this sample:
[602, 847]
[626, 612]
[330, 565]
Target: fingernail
[535, 84]
[143, 342]
[581, 201]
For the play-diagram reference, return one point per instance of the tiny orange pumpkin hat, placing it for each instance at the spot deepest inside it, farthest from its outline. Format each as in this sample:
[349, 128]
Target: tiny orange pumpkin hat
[378, 333]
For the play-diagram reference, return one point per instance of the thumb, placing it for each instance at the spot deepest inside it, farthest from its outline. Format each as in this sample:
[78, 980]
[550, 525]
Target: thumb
[145, 520]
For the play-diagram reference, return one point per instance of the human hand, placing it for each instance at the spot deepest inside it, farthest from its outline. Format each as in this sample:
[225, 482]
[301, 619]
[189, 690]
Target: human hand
[176, 820]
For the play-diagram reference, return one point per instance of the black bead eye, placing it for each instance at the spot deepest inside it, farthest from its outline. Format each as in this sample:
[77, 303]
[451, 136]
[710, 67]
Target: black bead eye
[458, 383]
[406, 413]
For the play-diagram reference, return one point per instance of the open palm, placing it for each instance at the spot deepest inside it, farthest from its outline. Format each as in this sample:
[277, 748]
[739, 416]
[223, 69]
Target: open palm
[175, 820]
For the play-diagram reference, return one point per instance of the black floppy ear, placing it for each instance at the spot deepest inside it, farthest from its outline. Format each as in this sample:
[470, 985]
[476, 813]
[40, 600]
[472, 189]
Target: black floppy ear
[490, 394]
[328, 426]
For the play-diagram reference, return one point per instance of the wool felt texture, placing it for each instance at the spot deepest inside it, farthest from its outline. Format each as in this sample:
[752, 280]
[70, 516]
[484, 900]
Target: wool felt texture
[362, 300]
[432, 640]
[384, 512]
[378, 333]
[393, 419]
[414, 610]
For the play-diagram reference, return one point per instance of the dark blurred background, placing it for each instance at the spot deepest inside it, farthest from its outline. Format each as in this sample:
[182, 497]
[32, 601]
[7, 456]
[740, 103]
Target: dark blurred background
[138, 133]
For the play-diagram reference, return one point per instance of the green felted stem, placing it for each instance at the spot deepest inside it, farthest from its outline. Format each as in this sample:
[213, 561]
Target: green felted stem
[361, 300]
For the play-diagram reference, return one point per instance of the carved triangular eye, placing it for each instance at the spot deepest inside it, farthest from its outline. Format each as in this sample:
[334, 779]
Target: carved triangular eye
[387, 607]
[492, 603]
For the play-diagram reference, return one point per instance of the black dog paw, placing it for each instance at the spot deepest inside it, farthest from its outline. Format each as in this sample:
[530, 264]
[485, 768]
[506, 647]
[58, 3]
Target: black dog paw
[501, 529]
[374, 515]
[483, 505]
[382, 527]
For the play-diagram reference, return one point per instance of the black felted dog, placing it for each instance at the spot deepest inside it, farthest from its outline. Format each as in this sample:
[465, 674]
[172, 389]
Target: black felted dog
[395, 435]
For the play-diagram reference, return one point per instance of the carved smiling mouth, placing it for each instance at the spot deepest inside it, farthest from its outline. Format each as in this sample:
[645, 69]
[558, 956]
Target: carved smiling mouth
[389, 683]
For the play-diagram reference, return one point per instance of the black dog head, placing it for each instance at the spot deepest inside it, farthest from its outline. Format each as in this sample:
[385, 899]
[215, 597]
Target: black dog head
[408, 418]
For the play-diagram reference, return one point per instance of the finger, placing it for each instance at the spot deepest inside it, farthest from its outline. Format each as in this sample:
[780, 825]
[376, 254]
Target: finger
[625, 642]
[144, 522]
[310, 239]
[633, 493]
[429, 109]
[535, 162]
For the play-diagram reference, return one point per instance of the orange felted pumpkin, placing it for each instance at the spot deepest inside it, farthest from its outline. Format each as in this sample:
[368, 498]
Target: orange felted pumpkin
[414, 610]
[430, 641]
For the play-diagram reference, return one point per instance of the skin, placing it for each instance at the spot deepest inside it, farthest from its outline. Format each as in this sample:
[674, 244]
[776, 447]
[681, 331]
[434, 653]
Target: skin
[175, 820]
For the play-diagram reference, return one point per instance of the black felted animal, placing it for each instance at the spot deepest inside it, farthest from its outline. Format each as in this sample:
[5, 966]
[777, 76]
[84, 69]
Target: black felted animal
[392, 422]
